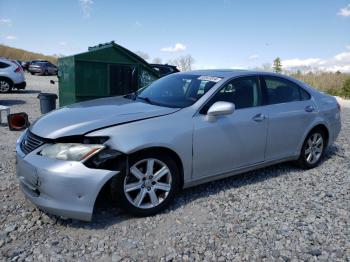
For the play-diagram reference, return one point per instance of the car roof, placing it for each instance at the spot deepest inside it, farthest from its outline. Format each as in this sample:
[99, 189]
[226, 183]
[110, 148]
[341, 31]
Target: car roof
[4, 59]
[8, 61]
[229, 73]
[39, 61]
[165, 65]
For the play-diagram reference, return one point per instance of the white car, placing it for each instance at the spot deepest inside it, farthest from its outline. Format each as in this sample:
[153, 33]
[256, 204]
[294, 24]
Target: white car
[11, 76]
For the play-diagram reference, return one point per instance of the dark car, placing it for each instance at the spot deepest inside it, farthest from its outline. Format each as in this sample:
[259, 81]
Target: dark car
[42, 67]
[25, 65]
[164, 70]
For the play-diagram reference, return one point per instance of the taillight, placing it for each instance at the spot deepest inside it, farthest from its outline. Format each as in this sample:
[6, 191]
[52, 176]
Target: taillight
[19, 69]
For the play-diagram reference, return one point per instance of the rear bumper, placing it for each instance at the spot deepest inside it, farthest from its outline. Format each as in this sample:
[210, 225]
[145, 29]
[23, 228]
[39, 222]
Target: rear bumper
[336, 127]
[21, 85]
[63, 188]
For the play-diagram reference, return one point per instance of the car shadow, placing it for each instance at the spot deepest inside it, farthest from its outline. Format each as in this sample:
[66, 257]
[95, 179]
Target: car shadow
[26, 91]
[12, 102]
[107, 214]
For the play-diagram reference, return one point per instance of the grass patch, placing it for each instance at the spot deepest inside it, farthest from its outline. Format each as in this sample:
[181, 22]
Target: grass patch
[23, 55]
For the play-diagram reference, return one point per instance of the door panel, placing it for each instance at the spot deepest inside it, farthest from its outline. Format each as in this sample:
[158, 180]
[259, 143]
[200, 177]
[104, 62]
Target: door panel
[287, 125]
[228, 142]
[291, 111]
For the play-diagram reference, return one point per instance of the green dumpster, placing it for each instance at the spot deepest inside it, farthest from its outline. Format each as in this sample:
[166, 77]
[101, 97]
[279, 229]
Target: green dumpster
[105, 70]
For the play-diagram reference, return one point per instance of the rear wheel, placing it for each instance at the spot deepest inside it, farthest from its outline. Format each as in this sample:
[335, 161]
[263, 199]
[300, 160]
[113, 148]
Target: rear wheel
[149, 186]
[5, 86]
[313, 149]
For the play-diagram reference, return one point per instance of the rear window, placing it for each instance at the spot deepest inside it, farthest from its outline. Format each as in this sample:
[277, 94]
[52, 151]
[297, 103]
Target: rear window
[3, 65]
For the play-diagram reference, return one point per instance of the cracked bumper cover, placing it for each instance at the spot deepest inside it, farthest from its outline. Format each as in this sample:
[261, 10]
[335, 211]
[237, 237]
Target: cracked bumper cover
[63, 188]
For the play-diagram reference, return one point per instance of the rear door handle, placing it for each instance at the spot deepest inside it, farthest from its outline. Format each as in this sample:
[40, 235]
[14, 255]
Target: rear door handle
[309, 108]
[259, 117]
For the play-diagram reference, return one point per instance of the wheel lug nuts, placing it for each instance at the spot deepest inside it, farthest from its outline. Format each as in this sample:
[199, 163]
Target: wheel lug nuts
[150, 177]
[148, 188]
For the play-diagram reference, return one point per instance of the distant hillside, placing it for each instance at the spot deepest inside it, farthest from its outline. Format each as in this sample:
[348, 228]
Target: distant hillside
[23, 55]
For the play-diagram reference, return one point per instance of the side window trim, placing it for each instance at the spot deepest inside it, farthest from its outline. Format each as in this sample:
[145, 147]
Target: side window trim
[308, 94]
[257, 77]
[263, 87]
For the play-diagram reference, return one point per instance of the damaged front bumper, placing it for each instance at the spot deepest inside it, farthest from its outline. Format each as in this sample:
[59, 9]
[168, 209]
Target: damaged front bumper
[63, 188]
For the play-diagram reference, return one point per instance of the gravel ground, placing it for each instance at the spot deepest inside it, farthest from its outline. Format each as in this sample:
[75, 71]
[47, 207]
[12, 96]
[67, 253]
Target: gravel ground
[280, 213]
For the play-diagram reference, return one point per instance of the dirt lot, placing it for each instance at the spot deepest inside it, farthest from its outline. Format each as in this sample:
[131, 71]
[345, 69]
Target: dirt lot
[280, 213]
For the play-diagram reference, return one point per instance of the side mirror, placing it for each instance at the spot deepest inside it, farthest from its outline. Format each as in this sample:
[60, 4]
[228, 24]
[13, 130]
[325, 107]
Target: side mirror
[221, 108]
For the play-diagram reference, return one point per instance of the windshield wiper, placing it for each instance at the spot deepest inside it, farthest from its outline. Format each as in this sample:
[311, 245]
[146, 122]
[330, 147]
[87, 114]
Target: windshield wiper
[144, 99]
[135, 96]
[132, 96]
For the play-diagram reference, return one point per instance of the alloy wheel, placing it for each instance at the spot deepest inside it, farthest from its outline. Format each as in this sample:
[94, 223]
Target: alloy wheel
[4, 86]
[148, 183]
[314, 148]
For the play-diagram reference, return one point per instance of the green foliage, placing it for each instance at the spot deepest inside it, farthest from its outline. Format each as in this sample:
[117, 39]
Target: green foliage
[333, 92]
[277, 65]
[23, 55]
[346, 88]
[335, 84]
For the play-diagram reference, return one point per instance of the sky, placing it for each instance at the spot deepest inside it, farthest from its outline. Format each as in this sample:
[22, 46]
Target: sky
[216, 33]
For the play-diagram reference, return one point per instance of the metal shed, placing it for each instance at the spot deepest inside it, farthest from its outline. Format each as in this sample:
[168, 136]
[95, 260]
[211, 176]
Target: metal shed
[105, 70]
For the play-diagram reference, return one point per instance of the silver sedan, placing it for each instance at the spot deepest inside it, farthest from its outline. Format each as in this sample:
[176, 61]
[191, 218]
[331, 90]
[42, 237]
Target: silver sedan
[182, 130]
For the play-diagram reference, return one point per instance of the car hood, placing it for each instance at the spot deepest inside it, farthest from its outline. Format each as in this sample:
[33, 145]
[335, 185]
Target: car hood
[84, 117]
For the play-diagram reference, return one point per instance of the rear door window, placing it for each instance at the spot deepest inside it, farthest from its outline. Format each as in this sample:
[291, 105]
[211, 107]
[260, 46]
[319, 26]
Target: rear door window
[283, 91]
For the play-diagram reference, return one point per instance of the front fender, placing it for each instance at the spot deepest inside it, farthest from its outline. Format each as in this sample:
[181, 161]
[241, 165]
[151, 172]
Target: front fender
[173, 132]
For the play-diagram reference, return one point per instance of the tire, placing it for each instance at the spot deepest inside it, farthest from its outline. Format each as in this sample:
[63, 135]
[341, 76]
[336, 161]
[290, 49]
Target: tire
[32, 73]
[5, 86]
[139, 192]
[46, 73]
[313, 149]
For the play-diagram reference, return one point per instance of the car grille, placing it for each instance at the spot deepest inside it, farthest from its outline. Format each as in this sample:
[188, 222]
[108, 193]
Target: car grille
[31, 142]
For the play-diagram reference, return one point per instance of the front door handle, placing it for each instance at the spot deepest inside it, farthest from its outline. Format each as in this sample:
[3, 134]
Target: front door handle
[259, 117]
[309, 108]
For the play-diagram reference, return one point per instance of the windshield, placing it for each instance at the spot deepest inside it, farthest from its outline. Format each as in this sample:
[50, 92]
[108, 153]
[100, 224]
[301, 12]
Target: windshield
[177, 90]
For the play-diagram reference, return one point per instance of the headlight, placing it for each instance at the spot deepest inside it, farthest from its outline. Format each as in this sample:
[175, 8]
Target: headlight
[71, 151]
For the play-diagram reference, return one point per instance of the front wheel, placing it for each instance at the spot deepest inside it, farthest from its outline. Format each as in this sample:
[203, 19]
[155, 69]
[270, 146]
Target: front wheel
[149, 186]
[313, 149]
